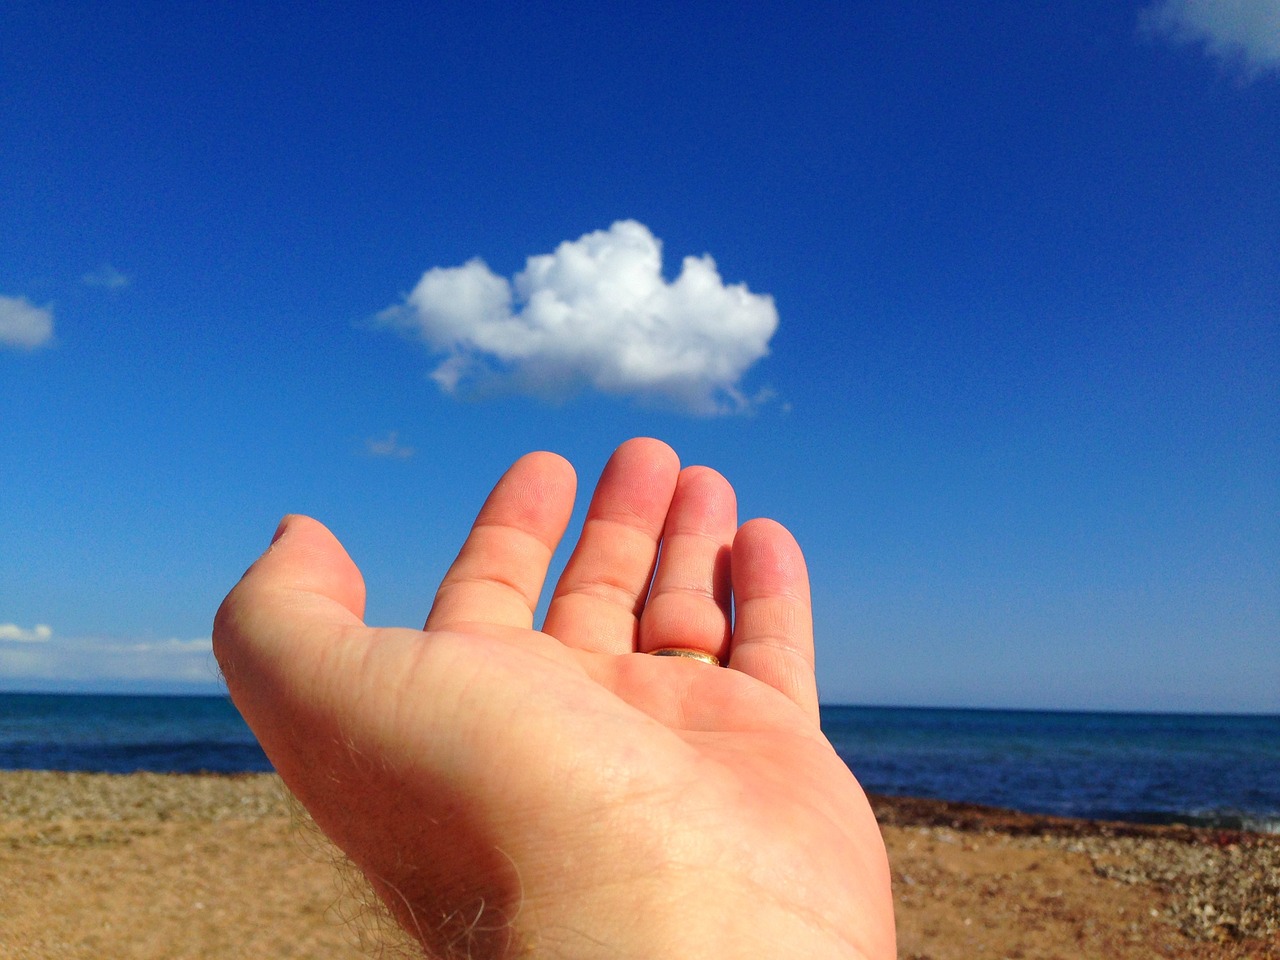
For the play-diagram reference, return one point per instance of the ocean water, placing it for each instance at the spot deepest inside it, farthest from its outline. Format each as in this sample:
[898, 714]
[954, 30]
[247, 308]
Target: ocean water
[123, 734]
[1208, 770]
[1148, 768]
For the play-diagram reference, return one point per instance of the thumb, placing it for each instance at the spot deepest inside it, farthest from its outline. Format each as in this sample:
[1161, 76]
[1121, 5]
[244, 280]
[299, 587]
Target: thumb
[295, 598]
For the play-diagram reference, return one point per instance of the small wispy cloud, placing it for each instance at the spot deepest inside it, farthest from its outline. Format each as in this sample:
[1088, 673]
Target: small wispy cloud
[40, 633]
[41, 659]
[172, 645]
[595, 313]
[388, 447]
[1243, 34]
[24, 325]
[106, 276]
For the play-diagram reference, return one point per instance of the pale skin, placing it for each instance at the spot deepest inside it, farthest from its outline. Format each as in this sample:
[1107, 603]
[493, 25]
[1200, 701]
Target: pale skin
[511, 792]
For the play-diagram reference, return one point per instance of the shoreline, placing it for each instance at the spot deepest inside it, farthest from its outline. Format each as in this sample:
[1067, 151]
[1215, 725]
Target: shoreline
[216, 865]
[959, 814]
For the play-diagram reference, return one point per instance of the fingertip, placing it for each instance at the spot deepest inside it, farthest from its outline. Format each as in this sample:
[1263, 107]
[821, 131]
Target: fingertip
[770, 560]
[773, 628]
[284, 607]
[298, 524]
[292, 521]
[636, 485]
[305, 556]
[557, 472]
[498, 574]
[280, 528]
[535, 494]
[546, 460]
[708, 489]
[649, 445]
[646, 453]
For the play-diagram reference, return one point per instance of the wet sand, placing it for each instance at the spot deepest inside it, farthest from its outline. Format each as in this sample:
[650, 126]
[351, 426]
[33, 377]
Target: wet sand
[151, 866]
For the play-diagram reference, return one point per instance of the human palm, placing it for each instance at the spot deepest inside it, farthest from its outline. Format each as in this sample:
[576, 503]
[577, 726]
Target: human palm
[513, 792]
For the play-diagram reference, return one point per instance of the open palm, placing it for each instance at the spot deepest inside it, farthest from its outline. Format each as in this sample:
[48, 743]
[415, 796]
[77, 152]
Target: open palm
[515, 792]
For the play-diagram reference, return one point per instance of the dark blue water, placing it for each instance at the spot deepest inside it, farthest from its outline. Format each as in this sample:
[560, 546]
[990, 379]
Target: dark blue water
[122, 734]
[1216, 770]
[1155, 768]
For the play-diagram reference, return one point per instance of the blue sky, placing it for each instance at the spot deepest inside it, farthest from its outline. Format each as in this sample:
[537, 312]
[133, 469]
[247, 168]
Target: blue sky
[984, 305]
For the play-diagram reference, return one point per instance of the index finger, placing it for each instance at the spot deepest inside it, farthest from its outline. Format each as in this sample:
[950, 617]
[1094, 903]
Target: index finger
[499, 571]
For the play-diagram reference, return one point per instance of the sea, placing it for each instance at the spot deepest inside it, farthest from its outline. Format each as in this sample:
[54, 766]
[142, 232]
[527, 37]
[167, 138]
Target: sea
[1204, 770]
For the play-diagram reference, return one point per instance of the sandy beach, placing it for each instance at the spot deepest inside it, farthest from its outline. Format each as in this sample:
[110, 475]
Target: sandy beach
[151, 866]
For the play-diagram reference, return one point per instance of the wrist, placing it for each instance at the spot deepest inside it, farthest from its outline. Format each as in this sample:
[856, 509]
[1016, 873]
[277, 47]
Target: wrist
[673, 919]
[658, 886]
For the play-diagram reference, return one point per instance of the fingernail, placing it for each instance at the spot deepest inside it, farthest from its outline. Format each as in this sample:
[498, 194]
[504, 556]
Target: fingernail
[279, 530]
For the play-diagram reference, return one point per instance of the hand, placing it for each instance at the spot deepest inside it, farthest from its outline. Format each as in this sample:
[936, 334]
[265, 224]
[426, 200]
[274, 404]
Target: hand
[512, 792]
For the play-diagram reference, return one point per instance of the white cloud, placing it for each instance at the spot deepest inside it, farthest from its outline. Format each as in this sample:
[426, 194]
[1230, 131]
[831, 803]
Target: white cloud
[106, 276]
[172, 645]
[22, 324]
[1244, 34]
[388, 447]
[40, 633]
[106, 663]
[595, 313]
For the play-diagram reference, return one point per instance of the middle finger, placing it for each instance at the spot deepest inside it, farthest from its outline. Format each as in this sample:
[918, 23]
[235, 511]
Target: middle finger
[689, 604]
[597, 603]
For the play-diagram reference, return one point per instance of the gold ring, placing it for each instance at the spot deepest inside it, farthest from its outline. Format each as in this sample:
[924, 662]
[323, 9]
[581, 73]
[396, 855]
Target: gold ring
[687, 652]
